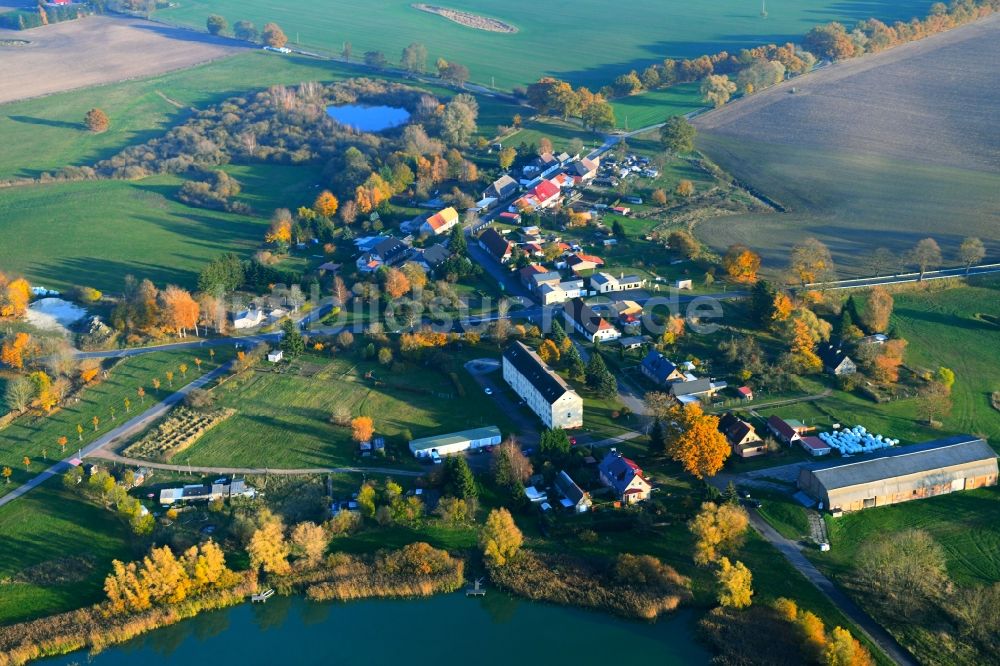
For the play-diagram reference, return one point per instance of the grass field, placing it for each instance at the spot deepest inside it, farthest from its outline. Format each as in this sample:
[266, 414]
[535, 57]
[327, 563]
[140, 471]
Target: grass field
[925, 320]
[96, 232]
[50, 129]
[283, 419]
[41, 531]
[30, 435]
[922, 151]
[655, 107]
[966, 525]
[590, 44]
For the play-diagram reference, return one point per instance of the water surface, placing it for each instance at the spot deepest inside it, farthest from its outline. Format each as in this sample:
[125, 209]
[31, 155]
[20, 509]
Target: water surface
[366, 118]
[440, 631]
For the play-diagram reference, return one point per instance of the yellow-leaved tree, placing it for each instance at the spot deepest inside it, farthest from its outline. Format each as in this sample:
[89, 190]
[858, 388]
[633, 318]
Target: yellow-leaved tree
[500, 538]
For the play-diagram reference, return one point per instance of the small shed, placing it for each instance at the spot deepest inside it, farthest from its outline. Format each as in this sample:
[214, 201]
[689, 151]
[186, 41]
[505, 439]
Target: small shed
[745, 392]
[683, 284]
[275, 356]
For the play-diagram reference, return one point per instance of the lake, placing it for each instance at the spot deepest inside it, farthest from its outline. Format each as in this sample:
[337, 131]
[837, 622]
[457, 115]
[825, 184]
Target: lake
[497, 630]
[368, 118]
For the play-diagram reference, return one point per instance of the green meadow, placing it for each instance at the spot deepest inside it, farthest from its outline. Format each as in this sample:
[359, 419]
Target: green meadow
[588, 44]
[96, 232]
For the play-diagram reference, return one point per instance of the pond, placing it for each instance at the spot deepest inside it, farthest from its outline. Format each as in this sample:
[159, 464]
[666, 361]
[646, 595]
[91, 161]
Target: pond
[54, 314]
[450, 629]
[366, 118]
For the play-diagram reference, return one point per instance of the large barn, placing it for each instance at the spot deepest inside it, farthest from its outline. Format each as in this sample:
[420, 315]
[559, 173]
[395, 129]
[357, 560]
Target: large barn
[962, 462]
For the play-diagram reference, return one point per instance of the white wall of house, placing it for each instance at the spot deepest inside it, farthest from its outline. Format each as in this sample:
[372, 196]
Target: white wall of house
[566, 412]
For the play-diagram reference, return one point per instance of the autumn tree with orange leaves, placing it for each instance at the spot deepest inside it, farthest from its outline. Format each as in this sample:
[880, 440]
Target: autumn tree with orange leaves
[14, 297]
[803, 347]
[180, 310]
[396, 283]
[362, 428]
[13, 350]
[741, 264]
[326, 204]
[695, 442]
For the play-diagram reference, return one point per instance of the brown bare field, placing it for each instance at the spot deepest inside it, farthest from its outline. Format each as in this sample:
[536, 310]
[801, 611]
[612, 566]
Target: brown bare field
[874, 152]
[96, 50]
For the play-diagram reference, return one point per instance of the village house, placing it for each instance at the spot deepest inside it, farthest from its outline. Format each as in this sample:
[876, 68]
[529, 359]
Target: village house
[742, 436]
[745, 392]
[582, 318]
[496, 245]
[546, 393]
[554, 293]
[584, 170]
[248, 318]
[836, 361]
[543, 195]
[430, 258]
[385, 252]
[543, 166]
[455, 442]
[659, 369]
[527, 274]
[574, 497]
[221, 489]
[694, 388]
[624, 477]
[789, 431]
[440, 222]
[501, 188]
[604, 283]
[583, 262]
[902, 474]
[507, 217]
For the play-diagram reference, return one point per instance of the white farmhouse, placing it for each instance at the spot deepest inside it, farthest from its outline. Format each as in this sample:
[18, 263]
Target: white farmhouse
[546, 393]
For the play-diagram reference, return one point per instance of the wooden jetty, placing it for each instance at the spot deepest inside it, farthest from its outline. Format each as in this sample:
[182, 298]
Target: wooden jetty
[476, 590]
[261, 597]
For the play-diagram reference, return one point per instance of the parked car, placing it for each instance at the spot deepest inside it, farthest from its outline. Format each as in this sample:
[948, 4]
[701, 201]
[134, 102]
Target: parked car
[488, 391]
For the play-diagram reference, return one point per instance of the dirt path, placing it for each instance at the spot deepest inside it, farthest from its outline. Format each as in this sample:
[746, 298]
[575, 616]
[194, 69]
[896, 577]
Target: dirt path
[169, 101]
[111, 456]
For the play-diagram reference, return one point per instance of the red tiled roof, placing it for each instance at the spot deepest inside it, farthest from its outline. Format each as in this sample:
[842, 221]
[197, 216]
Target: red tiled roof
[633, 491]
[545, 190]
[744, 390]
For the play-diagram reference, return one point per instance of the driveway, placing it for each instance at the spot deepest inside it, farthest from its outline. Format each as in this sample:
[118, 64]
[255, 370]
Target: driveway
[486, 372]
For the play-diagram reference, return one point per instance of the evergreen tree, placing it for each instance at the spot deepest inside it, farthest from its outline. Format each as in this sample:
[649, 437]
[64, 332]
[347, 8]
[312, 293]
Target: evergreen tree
[458, 479]
[458, 244]
[731, 495]
[291, 342]
[762, 302]
[554, 443]
[599, 378]
[657, 438]
[558, 333]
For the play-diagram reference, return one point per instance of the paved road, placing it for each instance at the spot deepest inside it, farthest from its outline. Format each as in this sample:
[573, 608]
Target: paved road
[902, 278]
[125, 430]
[861, 619]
